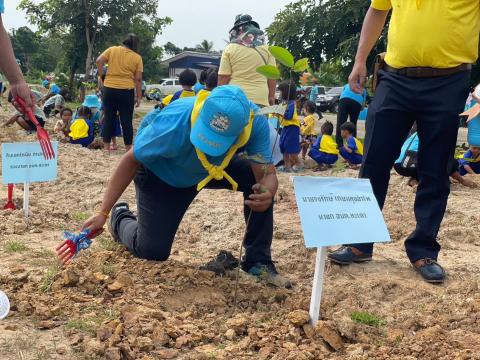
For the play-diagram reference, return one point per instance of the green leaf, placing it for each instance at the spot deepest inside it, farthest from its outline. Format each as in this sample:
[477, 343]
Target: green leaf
[282, 55]
[269, 71]
[301, 65]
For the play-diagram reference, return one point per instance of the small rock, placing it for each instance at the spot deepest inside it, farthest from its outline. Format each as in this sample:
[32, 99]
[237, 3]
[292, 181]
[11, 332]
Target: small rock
[309, 331]
[75, 340]
[160, 337]
[230, 334]
[298, 317]
[61, 350]
[70, 278]
[11, 327]
[113, 353]
[94, 348]
[167, 354]
[46, 325]
[143, 343]
[124, 279]
[115, 287]
[99, 277]
[330, 336]
[181, 341]
[238, 324]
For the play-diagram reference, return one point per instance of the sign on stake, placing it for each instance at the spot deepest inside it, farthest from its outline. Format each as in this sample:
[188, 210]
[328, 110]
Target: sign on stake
[336, 211]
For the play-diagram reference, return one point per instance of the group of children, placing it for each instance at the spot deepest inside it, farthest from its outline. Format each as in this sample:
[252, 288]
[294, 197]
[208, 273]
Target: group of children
[297, 137]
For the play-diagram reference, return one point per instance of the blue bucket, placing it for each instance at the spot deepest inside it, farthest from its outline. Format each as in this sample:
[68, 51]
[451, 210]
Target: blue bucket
[473, 137]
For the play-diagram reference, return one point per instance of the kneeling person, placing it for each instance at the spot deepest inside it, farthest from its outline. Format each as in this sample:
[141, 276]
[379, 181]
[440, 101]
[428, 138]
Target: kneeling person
[352, 150]
[190, 145]
[325, 150]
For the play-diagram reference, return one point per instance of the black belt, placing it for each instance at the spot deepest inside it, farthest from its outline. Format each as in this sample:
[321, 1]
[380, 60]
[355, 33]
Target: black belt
[427, 72]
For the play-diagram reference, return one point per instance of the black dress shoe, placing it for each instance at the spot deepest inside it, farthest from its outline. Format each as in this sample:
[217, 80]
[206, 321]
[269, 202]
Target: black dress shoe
[346, 256]
[430, 270]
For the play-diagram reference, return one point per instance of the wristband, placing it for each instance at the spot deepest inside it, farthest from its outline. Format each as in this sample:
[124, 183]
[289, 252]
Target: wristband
[104, 213]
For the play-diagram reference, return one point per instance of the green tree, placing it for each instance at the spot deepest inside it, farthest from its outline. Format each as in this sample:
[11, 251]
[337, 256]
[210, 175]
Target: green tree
[91, 24]
[205, 46]
[323, 31]
[172, 49]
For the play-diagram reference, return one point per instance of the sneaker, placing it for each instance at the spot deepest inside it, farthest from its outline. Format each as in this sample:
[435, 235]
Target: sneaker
[430, 270]
[345, 256]
[121, 206]
[269, 274]
[222, 263]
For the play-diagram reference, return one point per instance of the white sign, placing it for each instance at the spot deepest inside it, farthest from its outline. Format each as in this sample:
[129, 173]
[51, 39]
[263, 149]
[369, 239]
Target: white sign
[336, 211]
[25, 163]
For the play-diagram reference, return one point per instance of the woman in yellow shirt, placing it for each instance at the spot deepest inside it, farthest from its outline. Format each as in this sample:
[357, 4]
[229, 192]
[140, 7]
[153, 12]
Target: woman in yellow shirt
[122, 81]
[241, 58]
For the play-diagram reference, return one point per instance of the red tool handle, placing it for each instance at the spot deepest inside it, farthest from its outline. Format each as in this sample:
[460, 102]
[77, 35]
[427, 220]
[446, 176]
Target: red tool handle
[10, 192]
[27, 112]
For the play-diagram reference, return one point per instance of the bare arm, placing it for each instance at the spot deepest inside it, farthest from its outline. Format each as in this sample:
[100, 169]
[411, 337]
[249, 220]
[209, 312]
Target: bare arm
[265, 189]
[138, 87]
[101, 61]
[468, 169]
[121, 178]
[224, 79]
[272, 87]
[12, 71]
[372, 28]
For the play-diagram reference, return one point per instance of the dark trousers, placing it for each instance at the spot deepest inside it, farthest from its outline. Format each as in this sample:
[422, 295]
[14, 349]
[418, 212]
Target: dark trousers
[123, 102]
[347, 108]
[161, 208]
[435, 104]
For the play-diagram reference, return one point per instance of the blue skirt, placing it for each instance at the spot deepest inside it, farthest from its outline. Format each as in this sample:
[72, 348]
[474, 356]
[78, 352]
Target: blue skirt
[290, 140]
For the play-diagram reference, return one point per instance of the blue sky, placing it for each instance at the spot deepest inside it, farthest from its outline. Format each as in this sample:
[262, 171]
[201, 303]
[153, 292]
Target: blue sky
[193, 20]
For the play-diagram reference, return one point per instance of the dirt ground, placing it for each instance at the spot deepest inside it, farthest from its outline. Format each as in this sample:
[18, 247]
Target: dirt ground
[109, 305]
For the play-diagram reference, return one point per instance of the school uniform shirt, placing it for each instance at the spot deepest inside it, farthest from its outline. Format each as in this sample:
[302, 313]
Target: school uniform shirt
[198, 87]
[2, 7]
[163, 145]
[290, 118]
[469, 158]
[241, 63]
[326, 144]
[411, 144]
[347, 93]
[56, 101]
[355, 145]
[54, 89]
[182, 94]
[432, 33]
[37, 111]
[308, 128]
[123, 64]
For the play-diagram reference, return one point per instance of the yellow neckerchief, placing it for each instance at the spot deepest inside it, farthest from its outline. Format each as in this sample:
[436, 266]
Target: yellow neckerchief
[218, 172]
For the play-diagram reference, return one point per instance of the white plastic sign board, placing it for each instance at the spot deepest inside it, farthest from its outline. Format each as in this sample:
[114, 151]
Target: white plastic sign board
[336, 211]
[25, 163]
[4, 305]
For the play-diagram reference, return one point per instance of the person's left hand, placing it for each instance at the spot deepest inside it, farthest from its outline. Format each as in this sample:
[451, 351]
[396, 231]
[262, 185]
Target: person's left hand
[260, 200]
[271, 100]
[22, 90]
[138, 102]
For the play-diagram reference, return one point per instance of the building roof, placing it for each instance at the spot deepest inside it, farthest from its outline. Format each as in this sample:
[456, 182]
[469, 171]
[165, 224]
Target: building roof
[191, 53]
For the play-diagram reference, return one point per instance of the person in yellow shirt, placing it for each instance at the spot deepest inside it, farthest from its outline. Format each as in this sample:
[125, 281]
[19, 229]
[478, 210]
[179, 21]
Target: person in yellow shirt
[431, 48]
[325, 150]
[241, 58]
[122, 88]
[290, 129]
[308, 127]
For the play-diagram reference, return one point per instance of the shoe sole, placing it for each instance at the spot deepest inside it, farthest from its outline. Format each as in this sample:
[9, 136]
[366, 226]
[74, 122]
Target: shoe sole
[358, 261]
[109, 223]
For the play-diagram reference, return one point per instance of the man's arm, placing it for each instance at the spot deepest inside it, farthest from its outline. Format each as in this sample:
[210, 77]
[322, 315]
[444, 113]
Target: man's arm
[119, 181]
[272, 87]
[10, 68]
[224, 79]
[372, 28]
[265, 189]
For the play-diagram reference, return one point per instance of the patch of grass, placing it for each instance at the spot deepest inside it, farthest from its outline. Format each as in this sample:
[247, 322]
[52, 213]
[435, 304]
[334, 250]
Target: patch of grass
[108, 269]
[340, 166]
[81, 216]
[106, 243]
[83, 325]
[48, 279]
[363, 317]
[44, 254]
[14, 246]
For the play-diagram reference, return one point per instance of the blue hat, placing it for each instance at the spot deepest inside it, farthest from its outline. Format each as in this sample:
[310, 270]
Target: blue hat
[92, 101]
[222, 119]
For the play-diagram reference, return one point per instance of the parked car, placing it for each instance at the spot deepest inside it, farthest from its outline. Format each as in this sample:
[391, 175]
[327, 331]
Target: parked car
[164, 88]
[329, 101]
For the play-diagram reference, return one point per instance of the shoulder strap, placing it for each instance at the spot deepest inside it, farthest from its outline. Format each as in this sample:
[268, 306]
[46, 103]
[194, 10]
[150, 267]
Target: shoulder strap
[263, 57]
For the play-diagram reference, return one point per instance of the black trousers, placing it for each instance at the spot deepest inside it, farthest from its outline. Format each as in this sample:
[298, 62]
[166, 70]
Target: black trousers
[413, 172]
[347, 108]
[161, 208]
[435, 104]
[123, 102]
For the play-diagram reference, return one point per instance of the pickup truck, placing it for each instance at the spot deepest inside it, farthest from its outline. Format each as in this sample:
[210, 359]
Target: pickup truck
[164, 88]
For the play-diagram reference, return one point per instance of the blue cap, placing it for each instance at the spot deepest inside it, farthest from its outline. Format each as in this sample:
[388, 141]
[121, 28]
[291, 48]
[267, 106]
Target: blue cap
[92, 101]
[222, 119]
